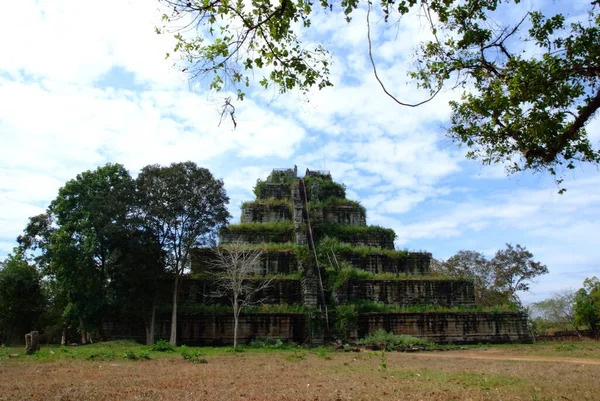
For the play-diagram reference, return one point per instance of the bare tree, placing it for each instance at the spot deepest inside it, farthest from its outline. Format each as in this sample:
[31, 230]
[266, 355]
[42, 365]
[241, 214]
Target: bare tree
[234, 264]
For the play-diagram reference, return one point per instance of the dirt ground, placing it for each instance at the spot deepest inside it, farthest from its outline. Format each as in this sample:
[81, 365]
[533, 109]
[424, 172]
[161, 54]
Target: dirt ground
[473, 374]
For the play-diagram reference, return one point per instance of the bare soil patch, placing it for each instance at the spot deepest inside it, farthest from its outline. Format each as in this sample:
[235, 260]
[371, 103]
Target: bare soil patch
[500, 355]
[303, 375]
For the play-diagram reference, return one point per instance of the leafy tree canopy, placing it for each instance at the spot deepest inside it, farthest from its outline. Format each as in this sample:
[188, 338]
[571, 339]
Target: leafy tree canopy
[528, 88]
[587, 304]
[497, 281]
[22, 300]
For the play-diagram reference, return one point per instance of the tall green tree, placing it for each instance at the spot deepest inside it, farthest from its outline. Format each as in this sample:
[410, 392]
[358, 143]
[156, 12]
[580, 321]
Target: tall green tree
[529, 87]
[22, 300]
[136, 276]
[96, 252]
[90, 212]
[587, 304]
[76, 238]
[185, 207]
[497, 281]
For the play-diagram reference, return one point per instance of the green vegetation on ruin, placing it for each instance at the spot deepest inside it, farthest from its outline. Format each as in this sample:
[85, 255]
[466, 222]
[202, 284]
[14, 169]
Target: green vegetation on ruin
[282, 227]
[329, 244]
[269, 202]
[363, 306]
[326, 188]
[353, 233]
[337, 277]
[289, 247]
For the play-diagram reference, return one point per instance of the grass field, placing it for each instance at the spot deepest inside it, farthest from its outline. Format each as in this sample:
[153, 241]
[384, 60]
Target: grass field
[127, 371]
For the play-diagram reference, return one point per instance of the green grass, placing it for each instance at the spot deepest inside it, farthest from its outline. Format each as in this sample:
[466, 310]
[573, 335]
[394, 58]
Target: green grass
[106, 351]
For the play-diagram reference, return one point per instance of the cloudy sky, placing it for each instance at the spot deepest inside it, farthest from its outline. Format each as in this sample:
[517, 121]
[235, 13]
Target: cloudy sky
[83, 85]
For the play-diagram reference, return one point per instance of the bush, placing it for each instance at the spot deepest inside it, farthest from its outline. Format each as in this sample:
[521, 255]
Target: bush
[268, 342]
[194, 356]
[130, 355]
[326, 188]
[390, 341]
[346, 320]
[101, 355]
[163, 346]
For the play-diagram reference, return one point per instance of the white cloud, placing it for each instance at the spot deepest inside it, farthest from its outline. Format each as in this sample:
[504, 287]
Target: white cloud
[55, 121]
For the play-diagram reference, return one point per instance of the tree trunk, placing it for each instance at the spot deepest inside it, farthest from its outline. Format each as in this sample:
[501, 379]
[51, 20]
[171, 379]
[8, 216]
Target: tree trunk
[63, 337]
[82, 331]
[173, 338]
[150, 330]
[236, 315]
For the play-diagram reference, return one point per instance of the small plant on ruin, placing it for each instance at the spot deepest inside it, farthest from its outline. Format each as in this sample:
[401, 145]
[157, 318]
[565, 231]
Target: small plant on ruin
[163, 346]
[346, 320]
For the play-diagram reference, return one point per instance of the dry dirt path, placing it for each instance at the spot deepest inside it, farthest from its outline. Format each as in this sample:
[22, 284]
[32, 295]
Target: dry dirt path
[498, 355]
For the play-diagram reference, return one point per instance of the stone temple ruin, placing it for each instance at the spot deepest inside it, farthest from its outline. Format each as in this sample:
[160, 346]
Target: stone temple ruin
[335, 277]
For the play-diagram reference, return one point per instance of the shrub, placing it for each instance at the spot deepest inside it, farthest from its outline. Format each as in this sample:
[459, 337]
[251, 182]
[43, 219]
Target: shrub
[194, 356]
[326, 189]
[163, 346]
[102, 356]
[268, 342]
[130, 355]
[346, 319]
[390, 341]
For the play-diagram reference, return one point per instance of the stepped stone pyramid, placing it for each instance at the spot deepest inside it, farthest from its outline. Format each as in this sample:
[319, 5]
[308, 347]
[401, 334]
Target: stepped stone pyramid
[334, 277]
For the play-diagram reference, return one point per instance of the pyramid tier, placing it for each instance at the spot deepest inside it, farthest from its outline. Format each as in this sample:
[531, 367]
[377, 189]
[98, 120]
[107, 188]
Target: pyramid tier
[266, 212]
[409, 292]
[396, 262]
[270, 262]
[257, 233]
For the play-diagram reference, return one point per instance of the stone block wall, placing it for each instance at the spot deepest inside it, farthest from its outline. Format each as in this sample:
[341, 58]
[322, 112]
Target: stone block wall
[282, 262]
[256, 237]
[457, 328]
[275, 190]
[447, 293]
[346, 215]
[281, 291]
[372, 239]
[265, 213]
[415, 264]
[216, 329]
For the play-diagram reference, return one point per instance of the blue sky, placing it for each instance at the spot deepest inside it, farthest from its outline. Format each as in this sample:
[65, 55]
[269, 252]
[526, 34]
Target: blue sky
[81, 86]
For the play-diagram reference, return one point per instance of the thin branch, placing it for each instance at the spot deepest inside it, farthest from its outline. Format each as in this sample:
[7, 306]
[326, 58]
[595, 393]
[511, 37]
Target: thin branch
[377, 75]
